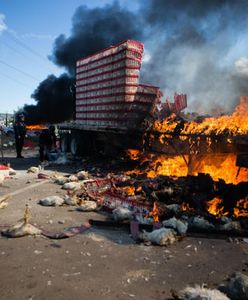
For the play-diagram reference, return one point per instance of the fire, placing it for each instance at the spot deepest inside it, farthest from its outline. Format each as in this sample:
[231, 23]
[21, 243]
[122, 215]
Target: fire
[36, 127]
[234, 124]
[241, 210]
[129, 190]
[221, 166]
[155, 212]
[215, 207]
[134, 154]
[185, 207]
[218, 166]
[167, 166]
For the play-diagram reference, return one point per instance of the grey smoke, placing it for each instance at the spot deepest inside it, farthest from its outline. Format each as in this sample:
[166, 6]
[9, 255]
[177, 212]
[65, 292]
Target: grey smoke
[190, 44]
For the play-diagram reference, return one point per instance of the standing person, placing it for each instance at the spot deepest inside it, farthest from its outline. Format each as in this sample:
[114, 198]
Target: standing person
[47, 141]
[20, 132]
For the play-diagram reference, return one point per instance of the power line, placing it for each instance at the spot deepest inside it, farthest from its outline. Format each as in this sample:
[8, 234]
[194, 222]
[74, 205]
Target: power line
[18, 70]
[13, 79]
[17, 40]
[11, 36]
[15, 50]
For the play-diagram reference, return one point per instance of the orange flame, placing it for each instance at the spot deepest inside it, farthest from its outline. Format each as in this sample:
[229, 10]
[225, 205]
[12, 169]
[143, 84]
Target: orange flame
[234, 124]
[134, 154]
[241, 210]
[185, 207]
[129, 190]
[218, 166]
[155, 212]
[215, 207]
[36, 127]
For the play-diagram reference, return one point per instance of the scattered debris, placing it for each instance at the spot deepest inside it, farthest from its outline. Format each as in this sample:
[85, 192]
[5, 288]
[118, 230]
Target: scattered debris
[180, 226]
[33, 169]
[122, 214]
[58, 179]
[199, 293]
[162, 236]
[43, 176]
[87, 206]
[200, 222]
[83, 175]
[72, 186]
[237, 287]
[73, 178]
[71, 200]
[52, 201]
[20, 230]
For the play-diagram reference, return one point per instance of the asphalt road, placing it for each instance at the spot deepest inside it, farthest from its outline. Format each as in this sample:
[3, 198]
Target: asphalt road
[101, 263]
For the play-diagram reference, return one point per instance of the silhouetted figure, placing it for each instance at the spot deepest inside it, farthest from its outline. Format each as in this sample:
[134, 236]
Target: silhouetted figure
[47, 141]
[20, 132]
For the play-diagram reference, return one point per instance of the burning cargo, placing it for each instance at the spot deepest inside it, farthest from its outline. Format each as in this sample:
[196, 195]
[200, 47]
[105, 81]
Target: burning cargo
[113, 111]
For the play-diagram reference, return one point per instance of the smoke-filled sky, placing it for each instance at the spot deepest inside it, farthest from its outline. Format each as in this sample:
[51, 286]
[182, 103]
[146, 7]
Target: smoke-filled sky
[194, 47]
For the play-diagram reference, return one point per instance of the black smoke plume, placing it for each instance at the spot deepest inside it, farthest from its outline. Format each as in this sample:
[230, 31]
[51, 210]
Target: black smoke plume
[55, 102]
[93, 30]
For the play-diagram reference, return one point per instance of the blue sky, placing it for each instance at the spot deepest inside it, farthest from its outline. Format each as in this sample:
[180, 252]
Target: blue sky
[27, 32]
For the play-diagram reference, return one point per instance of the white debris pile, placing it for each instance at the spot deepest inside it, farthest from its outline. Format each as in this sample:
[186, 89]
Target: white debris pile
[122, 214]
[237, 287]
[71, 200]
[200, 293]
[51, 201]
[34, 169]
[180, 226]
[58, 179]
[72, 186]
[73, 178]
[87, 206]
[21, 229]
[162, 236]
[83, 175]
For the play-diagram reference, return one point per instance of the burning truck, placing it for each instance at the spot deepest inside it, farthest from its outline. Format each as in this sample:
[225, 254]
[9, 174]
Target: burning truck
[200, 165]
[114, 111]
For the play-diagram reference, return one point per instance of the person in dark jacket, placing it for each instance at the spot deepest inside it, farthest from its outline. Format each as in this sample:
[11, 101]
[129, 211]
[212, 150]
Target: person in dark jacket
[47, 141]
[20, 132]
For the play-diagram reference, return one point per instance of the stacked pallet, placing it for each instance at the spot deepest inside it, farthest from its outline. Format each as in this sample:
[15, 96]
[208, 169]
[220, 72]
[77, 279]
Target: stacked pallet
[108, 94]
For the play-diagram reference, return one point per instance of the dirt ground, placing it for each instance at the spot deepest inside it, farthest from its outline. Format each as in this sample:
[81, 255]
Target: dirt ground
[101, 263]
